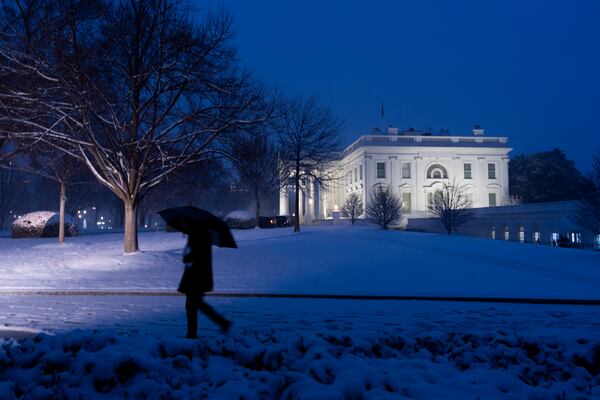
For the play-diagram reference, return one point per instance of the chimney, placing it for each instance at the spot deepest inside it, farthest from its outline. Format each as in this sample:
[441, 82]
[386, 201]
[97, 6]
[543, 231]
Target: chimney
[392, 131]
[478, 131]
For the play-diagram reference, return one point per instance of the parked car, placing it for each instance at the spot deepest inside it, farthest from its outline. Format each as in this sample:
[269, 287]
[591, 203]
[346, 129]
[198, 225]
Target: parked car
[284, 220]
[278, 221]
[267, 222]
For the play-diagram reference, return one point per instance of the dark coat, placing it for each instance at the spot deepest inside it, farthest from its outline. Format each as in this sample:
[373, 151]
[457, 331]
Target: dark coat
[197, 277]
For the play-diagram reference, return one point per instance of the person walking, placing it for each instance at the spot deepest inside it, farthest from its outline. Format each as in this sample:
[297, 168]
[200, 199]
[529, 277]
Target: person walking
[197, 279]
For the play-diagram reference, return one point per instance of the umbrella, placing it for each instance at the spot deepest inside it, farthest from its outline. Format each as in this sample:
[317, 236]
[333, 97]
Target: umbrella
[190, 220]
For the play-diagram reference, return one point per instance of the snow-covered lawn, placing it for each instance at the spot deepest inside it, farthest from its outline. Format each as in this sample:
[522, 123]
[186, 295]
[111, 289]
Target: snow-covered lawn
[131, 346]
[328, 259]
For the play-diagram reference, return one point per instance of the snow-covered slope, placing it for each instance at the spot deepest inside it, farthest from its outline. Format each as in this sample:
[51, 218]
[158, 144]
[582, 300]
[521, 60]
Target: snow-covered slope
[340, 260]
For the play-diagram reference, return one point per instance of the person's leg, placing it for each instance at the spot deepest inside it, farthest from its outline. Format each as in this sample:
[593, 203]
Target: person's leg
[213, 315]
[191, 312]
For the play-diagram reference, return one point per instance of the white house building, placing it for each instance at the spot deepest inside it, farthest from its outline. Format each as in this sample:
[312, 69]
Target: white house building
[415, 165]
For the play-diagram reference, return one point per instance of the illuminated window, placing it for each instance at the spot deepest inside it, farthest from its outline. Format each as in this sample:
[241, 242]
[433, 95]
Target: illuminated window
[521, 235]
[436, 171]
[575, 237]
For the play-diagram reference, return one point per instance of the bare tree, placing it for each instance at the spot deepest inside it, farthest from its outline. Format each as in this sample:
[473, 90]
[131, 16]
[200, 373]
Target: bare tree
[309, 139]
[452, 206]
[384, 206]
[255, 159]
[588, 211]
[353, 207]
[51, 163]
[134, 89]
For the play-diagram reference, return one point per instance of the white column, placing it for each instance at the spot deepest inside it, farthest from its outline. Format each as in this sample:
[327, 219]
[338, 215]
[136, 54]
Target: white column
[300, 215]
[310, 206]
[418, 179]
[505, 196]
[283, 202]
[482, 180]
[367, 181]
[394, 183]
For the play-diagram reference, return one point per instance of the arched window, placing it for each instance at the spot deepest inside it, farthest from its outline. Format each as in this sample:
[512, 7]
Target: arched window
[506, 233]
[493, 232]
[436, 171]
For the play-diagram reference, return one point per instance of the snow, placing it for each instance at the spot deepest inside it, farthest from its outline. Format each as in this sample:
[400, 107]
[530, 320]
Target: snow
[132, 346]
[323, 260]
[41, 218]
[303, 349]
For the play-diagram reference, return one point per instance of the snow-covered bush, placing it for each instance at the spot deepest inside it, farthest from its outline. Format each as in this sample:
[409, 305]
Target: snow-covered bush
[240, 220]
[270, 364]
[42, 224]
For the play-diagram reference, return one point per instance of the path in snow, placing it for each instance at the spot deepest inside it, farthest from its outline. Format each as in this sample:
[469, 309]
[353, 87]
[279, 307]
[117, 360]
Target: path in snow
[165, 316]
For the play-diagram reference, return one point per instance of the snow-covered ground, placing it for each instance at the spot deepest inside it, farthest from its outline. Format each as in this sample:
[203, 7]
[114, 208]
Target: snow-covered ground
[329, 259]
[132, 346]
[301, 349]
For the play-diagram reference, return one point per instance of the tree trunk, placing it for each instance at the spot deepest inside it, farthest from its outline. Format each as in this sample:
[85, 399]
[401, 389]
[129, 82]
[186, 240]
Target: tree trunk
[61, 224]
[131, 239]
[297, 201]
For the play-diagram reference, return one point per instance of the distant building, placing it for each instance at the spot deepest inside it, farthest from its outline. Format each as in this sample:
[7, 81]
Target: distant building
[415, 164]
[550, 223]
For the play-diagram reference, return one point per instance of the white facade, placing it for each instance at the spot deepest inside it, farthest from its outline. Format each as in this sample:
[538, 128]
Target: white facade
[415, 166]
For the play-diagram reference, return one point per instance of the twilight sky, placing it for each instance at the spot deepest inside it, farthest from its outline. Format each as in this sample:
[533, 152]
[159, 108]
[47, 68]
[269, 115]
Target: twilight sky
[529, 70]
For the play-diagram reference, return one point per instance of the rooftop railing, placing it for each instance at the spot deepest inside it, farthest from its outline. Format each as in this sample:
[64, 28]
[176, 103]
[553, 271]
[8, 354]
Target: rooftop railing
[418, 140]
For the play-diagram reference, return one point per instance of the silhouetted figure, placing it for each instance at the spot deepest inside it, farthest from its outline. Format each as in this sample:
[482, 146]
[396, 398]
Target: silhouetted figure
[197, 279]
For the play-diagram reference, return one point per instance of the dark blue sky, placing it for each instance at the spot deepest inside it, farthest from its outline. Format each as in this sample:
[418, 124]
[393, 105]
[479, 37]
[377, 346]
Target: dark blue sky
[529, 70]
